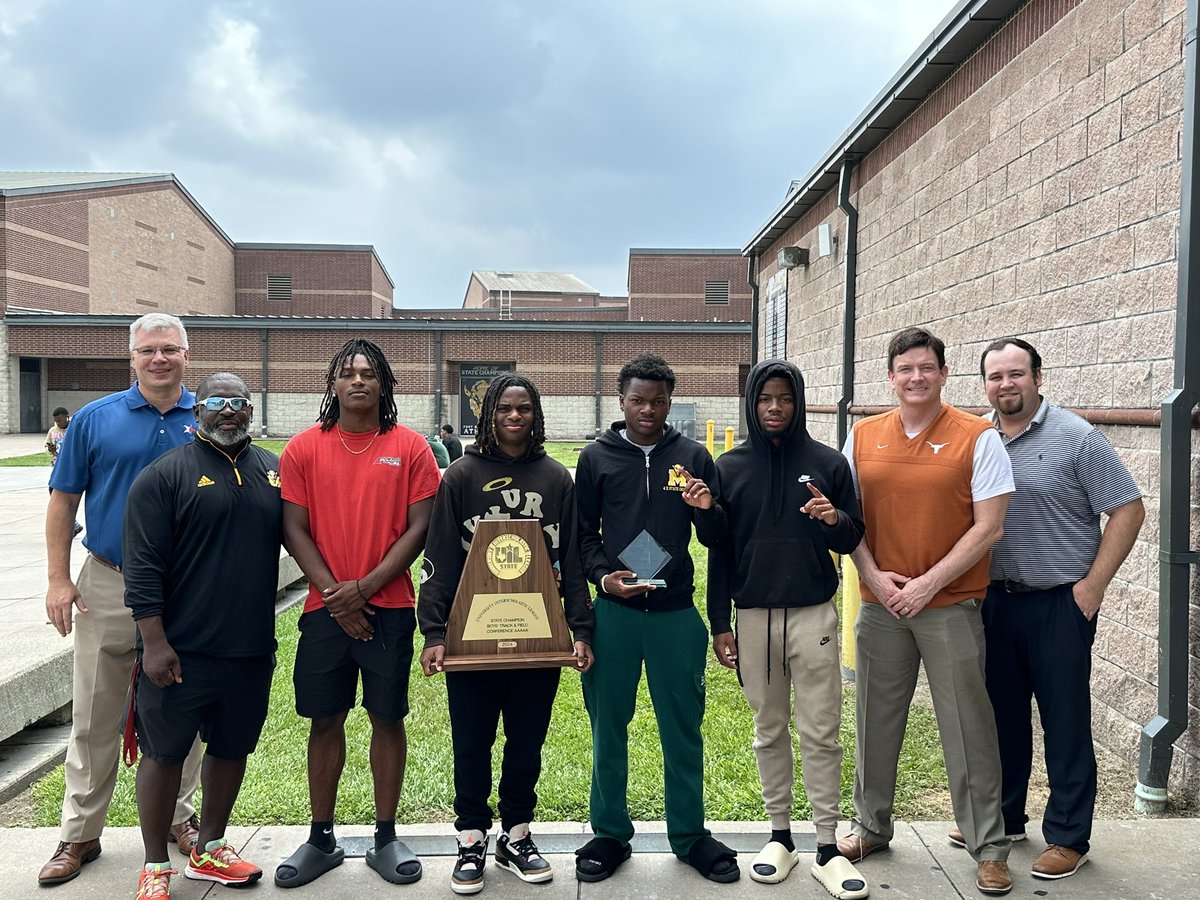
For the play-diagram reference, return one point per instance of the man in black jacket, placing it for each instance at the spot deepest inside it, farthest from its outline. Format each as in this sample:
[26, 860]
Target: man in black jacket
[638, 477]
[788, 500]
[203, 527]
[454, 447]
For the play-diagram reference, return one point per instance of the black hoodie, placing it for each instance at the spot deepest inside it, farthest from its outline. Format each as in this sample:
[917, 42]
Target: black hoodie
[495, 486]
[775, 556]
[622, 491]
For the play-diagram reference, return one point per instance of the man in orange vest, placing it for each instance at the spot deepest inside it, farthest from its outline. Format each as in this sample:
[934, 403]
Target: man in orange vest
[934, 484]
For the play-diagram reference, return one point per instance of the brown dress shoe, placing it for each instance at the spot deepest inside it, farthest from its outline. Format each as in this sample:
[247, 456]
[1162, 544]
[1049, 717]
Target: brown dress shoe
[1058, 862]
[67, 860]
[186, 834]
[992, 877]
[855, 848]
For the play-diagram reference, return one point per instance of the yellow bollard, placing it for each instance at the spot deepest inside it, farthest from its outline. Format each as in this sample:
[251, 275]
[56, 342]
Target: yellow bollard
[851, 601]
[729, 437]
[708, 436]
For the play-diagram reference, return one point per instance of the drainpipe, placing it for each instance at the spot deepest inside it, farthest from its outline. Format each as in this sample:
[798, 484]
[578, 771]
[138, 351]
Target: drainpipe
[752, 280]
[437, 382]
[849, 300]
[1175, 559]
[266, 374]
[598, 353]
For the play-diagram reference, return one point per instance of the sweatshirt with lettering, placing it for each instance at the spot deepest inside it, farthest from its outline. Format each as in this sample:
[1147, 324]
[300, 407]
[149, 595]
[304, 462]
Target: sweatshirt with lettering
[624, 490]
[494, 486]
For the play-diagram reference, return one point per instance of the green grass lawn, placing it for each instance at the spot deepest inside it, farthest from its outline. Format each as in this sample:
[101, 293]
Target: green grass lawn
[275, 790]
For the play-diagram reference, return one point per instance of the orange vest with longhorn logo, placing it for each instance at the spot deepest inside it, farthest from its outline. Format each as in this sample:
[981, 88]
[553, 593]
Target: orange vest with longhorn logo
[916, 496]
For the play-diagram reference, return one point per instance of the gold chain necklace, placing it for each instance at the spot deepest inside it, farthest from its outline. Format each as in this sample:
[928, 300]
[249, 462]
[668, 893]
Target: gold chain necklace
[347, 446]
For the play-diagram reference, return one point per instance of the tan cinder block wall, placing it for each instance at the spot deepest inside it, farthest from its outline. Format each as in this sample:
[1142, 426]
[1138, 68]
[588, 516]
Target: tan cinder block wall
[1043, 203]
[151, 252]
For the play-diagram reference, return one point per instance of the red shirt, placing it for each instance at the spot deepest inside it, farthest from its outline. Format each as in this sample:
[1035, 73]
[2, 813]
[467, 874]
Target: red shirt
[358, 502]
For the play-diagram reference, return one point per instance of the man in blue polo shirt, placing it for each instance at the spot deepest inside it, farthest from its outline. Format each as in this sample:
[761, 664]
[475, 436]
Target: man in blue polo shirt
[1049, 574]
[109, 442]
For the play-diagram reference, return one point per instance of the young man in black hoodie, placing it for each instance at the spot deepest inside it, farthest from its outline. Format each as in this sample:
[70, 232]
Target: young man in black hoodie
[788, 500]
[637, 477]
[506, 474]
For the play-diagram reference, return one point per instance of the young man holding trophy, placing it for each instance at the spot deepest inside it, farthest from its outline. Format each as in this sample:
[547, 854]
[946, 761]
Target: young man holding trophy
[505, 475]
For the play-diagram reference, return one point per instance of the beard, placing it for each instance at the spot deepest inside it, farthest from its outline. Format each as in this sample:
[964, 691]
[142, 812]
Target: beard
[775, 434]
[224, 438]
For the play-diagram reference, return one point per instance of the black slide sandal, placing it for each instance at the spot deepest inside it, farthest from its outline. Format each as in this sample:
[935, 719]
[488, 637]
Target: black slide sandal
[599, 858]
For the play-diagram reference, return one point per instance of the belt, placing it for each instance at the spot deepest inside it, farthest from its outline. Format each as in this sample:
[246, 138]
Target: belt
[1017, 587]
[107, 563]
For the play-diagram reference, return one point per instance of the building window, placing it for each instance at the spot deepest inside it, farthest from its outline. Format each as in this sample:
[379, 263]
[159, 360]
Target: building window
[279, 288]
[716, 291]
[775, 326]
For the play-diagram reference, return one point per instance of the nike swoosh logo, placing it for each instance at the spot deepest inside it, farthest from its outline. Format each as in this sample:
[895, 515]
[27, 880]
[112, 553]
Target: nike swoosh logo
[824, 640]
[880, 446]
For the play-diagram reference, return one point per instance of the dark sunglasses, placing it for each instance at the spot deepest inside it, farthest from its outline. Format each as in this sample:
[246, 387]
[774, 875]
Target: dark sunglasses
[216, 404]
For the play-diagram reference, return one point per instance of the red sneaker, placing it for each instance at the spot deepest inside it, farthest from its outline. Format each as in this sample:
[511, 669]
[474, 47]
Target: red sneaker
[155, 883]
[222, 865]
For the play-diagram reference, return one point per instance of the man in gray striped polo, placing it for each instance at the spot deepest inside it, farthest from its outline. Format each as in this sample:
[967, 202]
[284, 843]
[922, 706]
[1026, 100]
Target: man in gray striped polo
[1049, 574]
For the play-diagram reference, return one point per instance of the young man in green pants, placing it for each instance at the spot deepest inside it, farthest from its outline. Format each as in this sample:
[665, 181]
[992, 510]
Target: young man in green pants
[638, 476]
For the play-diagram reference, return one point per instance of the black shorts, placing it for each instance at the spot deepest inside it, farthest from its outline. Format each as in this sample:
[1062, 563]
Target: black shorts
[223, 699]
[328, 662]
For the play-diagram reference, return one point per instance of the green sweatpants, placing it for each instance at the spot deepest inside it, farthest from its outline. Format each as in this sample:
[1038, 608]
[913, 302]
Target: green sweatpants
[674, 648]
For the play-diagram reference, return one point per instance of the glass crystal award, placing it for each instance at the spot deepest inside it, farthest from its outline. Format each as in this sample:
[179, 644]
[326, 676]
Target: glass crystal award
[645, 557]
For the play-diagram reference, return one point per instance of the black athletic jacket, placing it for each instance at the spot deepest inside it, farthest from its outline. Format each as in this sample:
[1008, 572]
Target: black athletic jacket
[775, 556]
[495, 486]
[622, 491]
[201, 548]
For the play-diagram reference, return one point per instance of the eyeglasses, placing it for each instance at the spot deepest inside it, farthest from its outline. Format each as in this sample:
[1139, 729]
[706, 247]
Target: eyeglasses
[169, 351]
[216, 404]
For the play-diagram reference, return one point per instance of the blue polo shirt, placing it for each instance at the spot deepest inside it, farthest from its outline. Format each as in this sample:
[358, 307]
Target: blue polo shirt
[109, 442]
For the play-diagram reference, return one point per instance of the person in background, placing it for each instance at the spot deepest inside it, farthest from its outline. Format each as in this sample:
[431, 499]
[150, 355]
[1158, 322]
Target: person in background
[54, 439]
[439, 451]
[453, 445]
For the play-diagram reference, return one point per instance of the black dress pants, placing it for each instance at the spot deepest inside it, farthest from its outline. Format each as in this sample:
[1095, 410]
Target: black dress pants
[1039, 645]
[525, 699]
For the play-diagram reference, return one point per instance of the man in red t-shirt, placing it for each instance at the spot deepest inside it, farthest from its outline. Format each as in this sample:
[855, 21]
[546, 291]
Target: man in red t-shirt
[358, 489]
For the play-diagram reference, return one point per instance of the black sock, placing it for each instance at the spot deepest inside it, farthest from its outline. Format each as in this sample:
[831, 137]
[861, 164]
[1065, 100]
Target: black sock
[320, 835]
[385, 833]
[826, 852]
[783, 836]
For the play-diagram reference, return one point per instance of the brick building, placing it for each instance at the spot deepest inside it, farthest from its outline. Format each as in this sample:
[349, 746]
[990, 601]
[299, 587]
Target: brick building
[1019, 176]
[82, 254]
[706, 285]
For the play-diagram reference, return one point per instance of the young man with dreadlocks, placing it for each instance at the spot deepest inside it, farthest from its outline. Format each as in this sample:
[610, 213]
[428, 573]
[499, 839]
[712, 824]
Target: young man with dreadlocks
[638, 476]
[506, 474]
[358, 488]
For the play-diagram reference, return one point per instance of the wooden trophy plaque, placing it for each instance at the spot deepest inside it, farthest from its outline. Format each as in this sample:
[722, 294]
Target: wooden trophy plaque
[507, 613]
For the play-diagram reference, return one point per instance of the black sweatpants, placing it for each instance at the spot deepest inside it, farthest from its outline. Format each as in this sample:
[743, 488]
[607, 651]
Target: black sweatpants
[525, 698]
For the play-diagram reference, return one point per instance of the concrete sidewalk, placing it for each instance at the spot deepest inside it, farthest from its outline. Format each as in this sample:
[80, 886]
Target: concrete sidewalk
[1130, 859]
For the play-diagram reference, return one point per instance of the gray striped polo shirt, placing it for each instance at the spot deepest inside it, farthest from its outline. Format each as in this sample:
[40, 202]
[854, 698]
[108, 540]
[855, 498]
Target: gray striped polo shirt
[1067, 474]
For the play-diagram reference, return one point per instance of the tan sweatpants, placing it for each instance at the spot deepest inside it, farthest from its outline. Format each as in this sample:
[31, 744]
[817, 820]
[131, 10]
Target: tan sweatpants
[781, 651]
[104, 657]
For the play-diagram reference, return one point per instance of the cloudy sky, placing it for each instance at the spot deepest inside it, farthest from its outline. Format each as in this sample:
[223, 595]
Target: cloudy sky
[453, 136]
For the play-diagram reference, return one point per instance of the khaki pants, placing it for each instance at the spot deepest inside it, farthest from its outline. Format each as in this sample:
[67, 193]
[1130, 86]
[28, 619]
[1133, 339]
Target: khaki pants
[781, 651]
[104, 657]
[949, 641]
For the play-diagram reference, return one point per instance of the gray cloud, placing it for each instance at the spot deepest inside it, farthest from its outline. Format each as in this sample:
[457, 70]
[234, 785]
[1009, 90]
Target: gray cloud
[525, 135]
